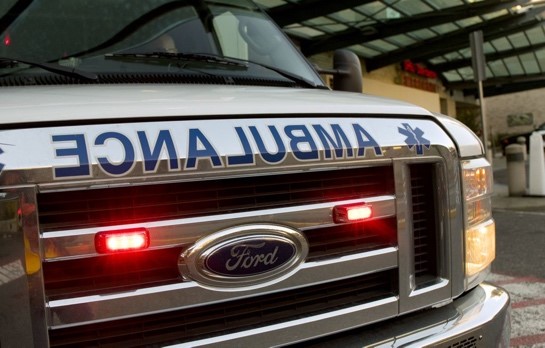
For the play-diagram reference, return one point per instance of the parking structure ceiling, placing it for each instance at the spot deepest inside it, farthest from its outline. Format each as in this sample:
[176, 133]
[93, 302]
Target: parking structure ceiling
[434, 33]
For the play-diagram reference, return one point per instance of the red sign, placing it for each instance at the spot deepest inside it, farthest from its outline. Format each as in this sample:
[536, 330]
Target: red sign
[418, 69]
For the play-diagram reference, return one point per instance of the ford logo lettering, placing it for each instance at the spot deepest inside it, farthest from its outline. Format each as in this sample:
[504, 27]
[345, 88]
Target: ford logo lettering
[244, 257]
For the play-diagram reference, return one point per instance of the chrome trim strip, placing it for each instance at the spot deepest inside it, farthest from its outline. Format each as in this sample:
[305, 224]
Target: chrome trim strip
[23, 321]
[189, 294]
[80, 243]
[483, 313]
[411, 297]
[303, 329]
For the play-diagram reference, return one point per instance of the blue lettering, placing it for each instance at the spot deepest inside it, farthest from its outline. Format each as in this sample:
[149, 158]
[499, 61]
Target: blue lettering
[248, 157]
[196, 138]
[151, 157]
[268, 157]
[340, 139]
[365, 140]
[128, 161]
[79, 151]
[304, 138]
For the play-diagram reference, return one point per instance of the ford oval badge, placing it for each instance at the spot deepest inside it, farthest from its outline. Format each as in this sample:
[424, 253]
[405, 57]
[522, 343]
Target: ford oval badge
[244, 257]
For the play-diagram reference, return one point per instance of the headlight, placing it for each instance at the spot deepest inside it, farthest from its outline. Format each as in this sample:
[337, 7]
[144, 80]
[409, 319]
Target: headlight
[480, 230]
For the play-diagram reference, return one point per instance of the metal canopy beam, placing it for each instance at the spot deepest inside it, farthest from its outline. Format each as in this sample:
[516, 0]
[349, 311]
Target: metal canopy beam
[504, 85]
[461, 63]
[354, 36]
[307, 9]
[492, 29]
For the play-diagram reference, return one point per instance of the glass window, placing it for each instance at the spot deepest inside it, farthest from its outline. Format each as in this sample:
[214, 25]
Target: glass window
[466, 22]
[466, 73]
[536, 35]
[401, 40]
[513, 66]
[303, 31]
[270, 3]
[364, 51]
[350, 17]
[442, 4]
[422, 34]
[492, 15]
[381, 45]
[371, 9]
[412, 7]
[519, 40]
[445, 28]
[502, 44]
[541, 59]
[498, 68]
[325, 24]
[126, 36]
[452, 76]
[529, 63]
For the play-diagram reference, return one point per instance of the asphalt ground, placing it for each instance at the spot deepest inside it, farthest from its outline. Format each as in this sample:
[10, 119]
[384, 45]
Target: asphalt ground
[520, 258]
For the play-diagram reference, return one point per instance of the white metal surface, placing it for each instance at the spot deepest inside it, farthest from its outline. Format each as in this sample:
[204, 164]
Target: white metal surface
[102, 102]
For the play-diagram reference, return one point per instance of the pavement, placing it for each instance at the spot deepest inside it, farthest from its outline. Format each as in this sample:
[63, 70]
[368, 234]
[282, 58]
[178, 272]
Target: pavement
[527, 292]
[501, 200]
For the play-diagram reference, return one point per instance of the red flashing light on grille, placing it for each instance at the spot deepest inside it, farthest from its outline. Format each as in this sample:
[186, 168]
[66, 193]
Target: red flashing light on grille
[352, 213]
[123, 240]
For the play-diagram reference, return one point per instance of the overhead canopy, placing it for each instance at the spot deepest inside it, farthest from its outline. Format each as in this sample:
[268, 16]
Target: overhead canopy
[432, 32]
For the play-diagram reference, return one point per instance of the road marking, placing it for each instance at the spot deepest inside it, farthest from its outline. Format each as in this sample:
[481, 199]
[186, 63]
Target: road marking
[529, 341]
[528, 308]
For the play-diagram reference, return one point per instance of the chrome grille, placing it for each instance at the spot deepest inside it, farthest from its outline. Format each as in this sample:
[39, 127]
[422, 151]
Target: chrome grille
[424, 221]
[123, 272]
[75, 278]
[103, 207]
[225, 317]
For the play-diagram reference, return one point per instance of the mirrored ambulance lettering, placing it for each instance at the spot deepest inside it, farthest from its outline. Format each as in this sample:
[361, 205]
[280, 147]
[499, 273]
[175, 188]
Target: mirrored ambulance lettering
[117, 154]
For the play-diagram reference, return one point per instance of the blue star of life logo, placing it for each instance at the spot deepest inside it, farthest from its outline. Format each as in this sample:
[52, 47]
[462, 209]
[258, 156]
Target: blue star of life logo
[415, 138]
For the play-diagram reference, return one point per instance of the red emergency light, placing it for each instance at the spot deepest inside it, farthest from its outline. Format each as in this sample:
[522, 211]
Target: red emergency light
[107, 242]
[352, 213]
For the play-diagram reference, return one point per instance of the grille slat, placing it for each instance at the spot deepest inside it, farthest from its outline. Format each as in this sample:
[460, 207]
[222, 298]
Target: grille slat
[223, 318]
[105, 274]
[146, 203]
[65, 279]
[424, 221]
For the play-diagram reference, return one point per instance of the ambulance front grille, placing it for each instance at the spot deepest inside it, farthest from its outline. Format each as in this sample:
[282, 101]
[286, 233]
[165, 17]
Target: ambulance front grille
[146, 203]
[225, 317]
[73, 278]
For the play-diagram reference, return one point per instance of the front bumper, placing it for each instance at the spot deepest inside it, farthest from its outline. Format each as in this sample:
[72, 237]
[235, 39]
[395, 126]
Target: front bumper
[480, 318]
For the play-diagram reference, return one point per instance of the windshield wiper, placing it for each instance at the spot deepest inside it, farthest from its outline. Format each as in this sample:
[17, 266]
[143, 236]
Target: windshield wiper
[51, 67]
[216, 59]
[198, 57]
[290, 76]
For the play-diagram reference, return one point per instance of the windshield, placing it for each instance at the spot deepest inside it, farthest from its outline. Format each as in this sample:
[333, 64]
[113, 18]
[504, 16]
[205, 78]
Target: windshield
[87, 34]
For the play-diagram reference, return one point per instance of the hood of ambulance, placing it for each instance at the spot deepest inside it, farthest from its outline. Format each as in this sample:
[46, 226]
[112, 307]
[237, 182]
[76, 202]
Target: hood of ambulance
[65, 132]
[106, 102]
[85, 103]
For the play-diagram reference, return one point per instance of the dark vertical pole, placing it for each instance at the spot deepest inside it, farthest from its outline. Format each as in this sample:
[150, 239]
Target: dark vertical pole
[479, 74]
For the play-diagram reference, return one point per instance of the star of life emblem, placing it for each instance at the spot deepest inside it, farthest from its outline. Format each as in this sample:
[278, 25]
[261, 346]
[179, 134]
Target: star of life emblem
[415, 138]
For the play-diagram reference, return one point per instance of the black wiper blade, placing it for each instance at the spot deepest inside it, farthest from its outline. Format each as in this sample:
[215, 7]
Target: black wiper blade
[216, 59]
[198, 57]
[54, 68]
[290, 76]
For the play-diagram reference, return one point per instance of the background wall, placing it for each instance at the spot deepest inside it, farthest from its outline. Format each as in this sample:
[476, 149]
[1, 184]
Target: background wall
[516, 106]
[427, 100]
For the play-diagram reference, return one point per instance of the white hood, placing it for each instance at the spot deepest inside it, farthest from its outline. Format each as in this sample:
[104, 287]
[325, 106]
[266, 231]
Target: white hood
[99, 102]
